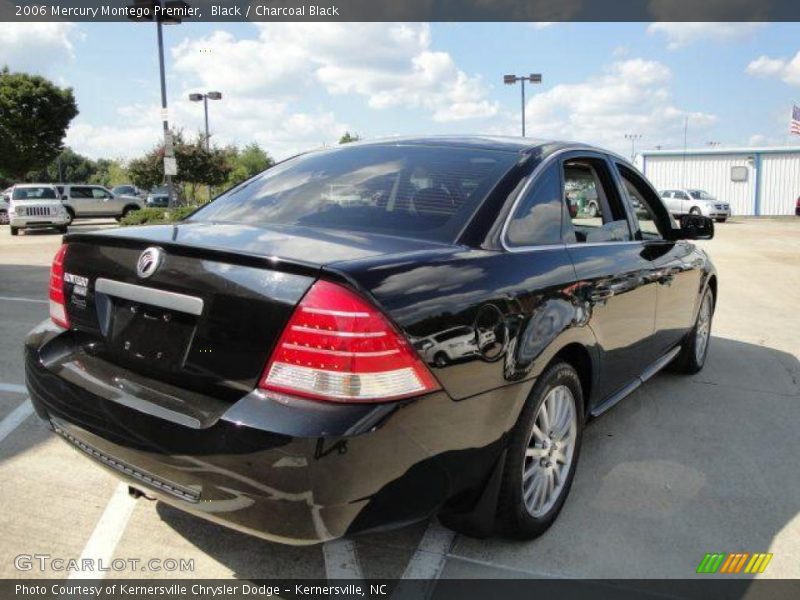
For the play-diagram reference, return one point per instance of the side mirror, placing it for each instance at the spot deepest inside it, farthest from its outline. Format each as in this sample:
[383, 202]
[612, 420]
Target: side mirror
[696, 227]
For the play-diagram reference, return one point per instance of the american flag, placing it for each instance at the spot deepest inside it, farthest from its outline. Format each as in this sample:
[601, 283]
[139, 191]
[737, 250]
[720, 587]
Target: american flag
[795, 126]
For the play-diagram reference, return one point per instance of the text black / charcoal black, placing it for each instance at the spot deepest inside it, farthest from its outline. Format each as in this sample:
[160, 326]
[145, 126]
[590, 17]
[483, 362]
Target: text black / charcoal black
[366, 336]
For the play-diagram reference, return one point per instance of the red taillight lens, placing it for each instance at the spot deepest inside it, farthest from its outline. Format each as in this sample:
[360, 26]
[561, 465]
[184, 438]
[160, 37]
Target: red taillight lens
[58, 308]
[339, 347]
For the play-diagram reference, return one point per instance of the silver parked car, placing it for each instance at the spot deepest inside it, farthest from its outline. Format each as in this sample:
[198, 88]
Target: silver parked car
[92, 201]
[36, 205]
[696, 202]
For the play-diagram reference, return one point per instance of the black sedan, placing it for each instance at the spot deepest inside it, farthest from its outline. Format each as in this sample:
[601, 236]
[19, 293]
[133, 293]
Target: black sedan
[373, 334]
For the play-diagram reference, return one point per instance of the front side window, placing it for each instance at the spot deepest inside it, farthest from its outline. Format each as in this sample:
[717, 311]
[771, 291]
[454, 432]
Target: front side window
[700, 195]
[537, 218]
[594, 207]
[416, 191]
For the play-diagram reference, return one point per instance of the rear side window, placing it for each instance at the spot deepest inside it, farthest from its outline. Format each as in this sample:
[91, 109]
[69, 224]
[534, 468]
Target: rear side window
[537, 219]
[80, 192]
[414, 191]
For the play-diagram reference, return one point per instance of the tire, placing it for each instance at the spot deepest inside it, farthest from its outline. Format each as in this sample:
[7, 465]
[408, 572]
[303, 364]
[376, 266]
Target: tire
[440, 360]
[63, 228]
[70, 216]
[126, 211]
[721, 220]
[692, 357]
[14, 230]
[695, 211]
[525, 510]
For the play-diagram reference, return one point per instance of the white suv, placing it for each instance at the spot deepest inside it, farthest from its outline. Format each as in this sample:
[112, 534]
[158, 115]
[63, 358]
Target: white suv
[696, 202]
[92, 201]
[36, 205]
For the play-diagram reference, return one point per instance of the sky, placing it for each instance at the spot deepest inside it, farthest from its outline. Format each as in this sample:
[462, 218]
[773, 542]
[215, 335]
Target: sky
[295, 86]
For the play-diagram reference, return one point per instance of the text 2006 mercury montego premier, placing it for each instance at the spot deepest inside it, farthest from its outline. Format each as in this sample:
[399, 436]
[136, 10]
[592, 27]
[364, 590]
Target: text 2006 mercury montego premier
[366, 336]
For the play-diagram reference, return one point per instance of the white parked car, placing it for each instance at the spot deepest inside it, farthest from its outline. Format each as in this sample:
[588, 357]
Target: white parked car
[5, 197]
[36, 205]
[696, 202]
[92, 201]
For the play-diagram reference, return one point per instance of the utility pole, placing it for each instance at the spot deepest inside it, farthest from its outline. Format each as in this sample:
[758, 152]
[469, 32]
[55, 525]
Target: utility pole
[512, 79]
[633, 137]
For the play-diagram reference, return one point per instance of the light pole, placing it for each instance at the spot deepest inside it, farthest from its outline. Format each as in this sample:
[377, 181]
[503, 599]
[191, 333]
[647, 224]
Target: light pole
[512, 79]
[633, 137]
[147, 10]
[205, 98]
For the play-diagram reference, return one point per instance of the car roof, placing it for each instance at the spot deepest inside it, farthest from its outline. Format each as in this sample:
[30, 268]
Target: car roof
[27, 185]
[487, 142]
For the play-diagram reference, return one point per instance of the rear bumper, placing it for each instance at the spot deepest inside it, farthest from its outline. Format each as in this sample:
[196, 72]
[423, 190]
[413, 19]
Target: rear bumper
[291, 474]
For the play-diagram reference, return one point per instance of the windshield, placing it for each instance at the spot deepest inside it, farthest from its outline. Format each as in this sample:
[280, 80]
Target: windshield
[413, 191]
[34, 193]
[700, 195]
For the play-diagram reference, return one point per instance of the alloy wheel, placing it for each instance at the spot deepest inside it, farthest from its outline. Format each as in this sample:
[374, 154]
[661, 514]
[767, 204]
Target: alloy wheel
[550, 451]
[703, 329]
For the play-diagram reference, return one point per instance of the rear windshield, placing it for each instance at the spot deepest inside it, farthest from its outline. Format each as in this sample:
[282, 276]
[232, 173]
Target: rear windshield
[34, 193]
[413, 191]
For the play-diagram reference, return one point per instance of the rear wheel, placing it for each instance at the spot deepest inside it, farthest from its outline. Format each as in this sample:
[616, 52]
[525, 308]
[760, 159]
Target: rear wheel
[126, 211]
[542, 454]
[14, 230]
[694, 351]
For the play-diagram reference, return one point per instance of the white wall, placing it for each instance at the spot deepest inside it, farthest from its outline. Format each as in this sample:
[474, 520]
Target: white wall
[711, 173]
[780, 183]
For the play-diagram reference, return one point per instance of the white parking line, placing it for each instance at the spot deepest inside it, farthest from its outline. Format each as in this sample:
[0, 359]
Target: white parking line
[14, 388]
[431, 553]
[18, 299]
[341, 560]
[15, 419]
[107, 533]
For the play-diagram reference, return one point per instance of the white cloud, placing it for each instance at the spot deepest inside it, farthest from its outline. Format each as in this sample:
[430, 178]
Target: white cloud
[788, 70]
[389, 64]
[680, 35]
[630, 96]
[37, 47]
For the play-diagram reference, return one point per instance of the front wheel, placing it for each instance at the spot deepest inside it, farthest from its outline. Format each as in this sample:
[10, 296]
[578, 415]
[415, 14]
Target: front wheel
[692, 357]
[542, 454]
[695, 211]
[14, 230]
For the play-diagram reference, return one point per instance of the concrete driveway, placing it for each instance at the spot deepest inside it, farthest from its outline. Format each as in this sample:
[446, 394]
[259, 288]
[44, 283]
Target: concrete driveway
[683, 467]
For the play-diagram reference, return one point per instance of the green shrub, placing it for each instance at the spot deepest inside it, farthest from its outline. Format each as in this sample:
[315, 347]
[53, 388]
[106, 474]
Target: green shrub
[155, 216]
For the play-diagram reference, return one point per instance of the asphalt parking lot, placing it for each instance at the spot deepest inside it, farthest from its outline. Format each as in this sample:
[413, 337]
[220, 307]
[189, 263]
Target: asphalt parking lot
[683, 467]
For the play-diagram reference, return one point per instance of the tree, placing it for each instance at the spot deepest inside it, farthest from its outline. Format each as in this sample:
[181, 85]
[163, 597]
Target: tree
[249, 161]
[68, 166]
[110, 173]
[34, 116]
[347, 138]
[196, 165]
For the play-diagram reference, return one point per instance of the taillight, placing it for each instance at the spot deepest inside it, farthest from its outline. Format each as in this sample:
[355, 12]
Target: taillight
[58, 309]
[339, 347]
